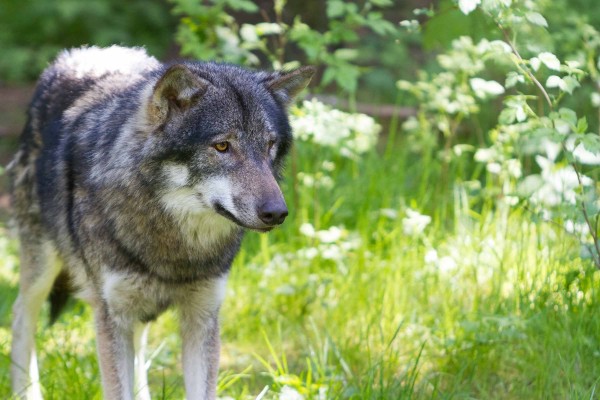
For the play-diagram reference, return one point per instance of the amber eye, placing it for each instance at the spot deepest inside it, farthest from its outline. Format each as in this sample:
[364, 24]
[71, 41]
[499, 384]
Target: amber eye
[271, 144]
[221, 147]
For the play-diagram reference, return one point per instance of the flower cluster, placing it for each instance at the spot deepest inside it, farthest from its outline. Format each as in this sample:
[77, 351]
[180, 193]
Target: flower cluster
[350, 134]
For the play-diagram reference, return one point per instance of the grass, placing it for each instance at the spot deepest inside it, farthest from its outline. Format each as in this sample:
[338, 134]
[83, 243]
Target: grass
[485, 302]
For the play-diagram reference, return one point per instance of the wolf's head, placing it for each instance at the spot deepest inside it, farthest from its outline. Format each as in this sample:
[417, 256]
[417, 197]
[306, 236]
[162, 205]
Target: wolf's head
[220, 134]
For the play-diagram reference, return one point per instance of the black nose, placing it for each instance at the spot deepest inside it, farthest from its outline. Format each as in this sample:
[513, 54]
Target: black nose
[272, 212]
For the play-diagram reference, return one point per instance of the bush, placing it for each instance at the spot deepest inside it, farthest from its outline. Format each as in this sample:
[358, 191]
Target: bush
[32, 31]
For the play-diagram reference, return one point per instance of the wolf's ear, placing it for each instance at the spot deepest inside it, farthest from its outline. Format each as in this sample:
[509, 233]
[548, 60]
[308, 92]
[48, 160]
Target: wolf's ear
[177, 90]
[287, 85]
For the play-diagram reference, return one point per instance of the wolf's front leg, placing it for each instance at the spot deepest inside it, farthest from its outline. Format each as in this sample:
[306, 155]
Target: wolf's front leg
[116, 354]
[38, 272]
[200, 337]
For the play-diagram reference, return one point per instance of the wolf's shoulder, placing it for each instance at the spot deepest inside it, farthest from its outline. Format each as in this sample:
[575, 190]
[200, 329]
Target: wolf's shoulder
[94, 62]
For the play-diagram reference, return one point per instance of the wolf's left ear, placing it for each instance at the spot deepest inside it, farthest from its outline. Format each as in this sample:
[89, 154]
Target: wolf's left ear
[177, 90]
[287, 85]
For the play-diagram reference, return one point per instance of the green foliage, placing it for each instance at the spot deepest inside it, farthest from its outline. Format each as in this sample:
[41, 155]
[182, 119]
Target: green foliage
[33, 31]
[208, 31]
[542, 149]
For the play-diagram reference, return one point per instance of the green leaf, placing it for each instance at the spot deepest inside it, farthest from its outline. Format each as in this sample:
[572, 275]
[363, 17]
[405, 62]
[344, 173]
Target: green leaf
[449, 24]
[346, 76]
[507, 116]
[536, 19]
[346, 54]
[428, 12]
[335, 8]
[555, 81]
[512, 78]
[550, 60]
[529, 185]
[242, 5]
[591, 142]
[568, 115]
[379, 25]
[582, 125]
[570, 84]
[382, 3]
[328, 76]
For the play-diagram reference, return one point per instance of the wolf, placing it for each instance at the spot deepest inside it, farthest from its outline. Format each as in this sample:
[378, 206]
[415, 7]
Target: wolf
[132, 188]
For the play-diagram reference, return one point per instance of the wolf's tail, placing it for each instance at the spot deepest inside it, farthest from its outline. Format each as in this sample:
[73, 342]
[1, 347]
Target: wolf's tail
[60, 294]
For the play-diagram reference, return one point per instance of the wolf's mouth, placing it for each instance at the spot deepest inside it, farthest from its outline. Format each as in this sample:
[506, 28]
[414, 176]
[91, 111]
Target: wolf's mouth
[223, 212]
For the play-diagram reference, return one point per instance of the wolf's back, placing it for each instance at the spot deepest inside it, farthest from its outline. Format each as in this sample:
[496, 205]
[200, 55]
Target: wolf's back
[69, 83]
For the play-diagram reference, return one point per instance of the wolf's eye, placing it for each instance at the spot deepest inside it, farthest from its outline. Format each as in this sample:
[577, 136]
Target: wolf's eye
[271, 144]
[221, 147]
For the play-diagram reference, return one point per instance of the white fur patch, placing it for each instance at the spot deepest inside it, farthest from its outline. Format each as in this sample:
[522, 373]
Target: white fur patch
[203, 230]
[179, 198]
[218, 190]
[199, 328]
[96, 61]
[192, 207]
[129, 295]
[176, 174]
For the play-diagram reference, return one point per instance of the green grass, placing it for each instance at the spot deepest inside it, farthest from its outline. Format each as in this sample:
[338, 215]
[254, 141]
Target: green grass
[485, 303]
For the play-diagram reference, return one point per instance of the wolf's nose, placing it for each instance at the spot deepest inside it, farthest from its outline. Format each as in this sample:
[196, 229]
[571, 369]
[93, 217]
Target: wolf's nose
[272, 212]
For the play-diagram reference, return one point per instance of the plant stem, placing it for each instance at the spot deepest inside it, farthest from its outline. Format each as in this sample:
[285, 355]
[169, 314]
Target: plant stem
[522, 61]
[593, 232]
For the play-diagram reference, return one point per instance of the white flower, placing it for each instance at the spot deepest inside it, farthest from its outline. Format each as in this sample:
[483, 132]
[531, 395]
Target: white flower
[581, 154]
[289, 393]
[330, 235]
[332, 252]
[493, 168]
[576, 227]
[595, 98]
[555, 81]
[351, 134]
[559, 183]
[446, 264]
[521, 115]
[513, 166]
[325, 182]
[389, 213]
[551, 149]
[550, 60]
[535, 63]
[484, 89]
[431, 257]
[486, 155]
[308, 253]
[414, 223]
[466, 6]
[307, 180]
[328, 166]
[307, 229]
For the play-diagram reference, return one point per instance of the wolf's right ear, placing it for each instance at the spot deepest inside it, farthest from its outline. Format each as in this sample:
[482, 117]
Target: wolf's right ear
[177, 90]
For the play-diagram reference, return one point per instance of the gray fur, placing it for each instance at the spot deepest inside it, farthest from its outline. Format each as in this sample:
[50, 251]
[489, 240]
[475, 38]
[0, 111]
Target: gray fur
[119, 175]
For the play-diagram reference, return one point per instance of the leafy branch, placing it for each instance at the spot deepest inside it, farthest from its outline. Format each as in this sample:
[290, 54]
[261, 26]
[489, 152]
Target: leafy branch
[593, 228]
